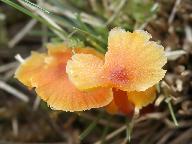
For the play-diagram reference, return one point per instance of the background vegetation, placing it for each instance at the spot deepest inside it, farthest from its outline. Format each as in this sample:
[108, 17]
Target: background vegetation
[25, 27]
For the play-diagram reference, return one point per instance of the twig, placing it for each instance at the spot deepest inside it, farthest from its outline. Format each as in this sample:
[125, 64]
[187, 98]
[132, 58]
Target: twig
[165, 137]
[173, 12]
[173, 55]
[188, 33]
[13, 91]
[94, 6]
[8, 75]
[159, 100]
[106, 6]
[15, 126]
[101, 121]
[118, 8]
[121, 129]
[113, 134]
[19, 58]
[8, 66]
[125, 141]
[18, 37]
[183, 137]
[36, 103]
[157, 116]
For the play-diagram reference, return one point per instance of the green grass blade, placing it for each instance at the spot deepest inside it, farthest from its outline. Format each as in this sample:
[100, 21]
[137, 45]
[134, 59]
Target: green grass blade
[29, 13]
[172, 112]
[89, 34]
[88, 130]
[35, 5]
[106, 129]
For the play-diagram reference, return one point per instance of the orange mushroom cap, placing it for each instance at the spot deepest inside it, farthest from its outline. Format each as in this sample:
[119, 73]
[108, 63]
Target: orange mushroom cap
[126, 102]
[112, 108]
[84, 71]
[120, 104]
[47, 74]
[142, 98]
[132, 63]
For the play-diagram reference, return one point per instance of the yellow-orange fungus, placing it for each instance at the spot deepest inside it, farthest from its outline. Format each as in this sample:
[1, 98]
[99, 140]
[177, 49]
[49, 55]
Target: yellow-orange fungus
[89, 51]
[132, 63]
[112, 108]
[122, 102]
[125, 103]
[47, 74]
[29, 67]
[80, 79]
[142, 98]
[118, 75]
[84, 71]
